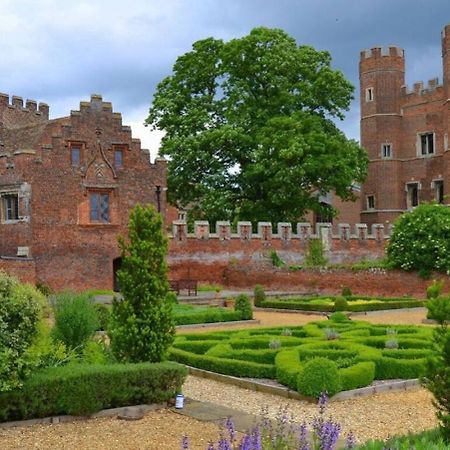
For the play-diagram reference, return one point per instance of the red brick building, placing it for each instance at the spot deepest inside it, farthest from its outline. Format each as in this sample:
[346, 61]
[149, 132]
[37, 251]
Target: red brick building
[405, 133]
[66, 188]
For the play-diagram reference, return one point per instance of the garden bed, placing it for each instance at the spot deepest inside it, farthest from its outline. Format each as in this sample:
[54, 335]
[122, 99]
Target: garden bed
[359, 353]
[351, 304]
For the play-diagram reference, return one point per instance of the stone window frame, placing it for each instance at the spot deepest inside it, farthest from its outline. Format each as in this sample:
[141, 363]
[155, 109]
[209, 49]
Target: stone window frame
[383, 152]
[3, 212]
[409, 205]
[369, 94]
[436, 185]
[122, 148]
[419, 146]
[368, 202]
[81, 145]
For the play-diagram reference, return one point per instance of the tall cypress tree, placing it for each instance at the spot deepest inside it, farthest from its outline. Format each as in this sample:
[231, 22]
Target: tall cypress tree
[142, 326]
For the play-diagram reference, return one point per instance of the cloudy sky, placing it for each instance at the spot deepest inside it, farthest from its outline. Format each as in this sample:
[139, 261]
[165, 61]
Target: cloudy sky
[61, 51]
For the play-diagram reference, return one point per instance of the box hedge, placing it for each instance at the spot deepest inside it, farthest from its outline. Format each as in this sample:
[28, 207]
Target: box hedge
[85, 389]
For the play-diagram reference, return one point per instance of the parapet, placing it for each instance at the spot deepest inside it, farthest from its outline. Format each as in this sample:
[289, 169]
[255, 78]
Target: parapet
[380, 52]
[419, 88]
[31, 107]
[304, 231]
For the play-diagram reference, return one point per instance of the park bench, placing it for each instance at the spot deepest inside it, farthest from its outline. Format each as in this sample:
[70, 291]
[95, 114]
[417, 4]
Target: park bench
[184, 284]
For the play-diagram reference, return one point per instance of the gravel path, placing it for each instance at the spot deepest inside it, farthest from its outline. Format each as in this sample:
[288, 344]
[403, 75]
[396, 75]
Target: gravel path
[375, 417]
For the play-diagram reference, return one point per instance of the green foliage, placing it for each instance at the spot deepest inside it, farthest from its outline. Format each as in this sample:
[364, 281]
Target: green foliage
[44, 289]
[346, 292]
[75, 319]
[339, 317]
[265, 105]
[187, 315]
[244, 307]
[439, 309]
[82, 389]
[421, 240]
[314, 256]
[358, 375]
[340, 304]
[276, 260]
[103, 316]
[142, 326]
[259, 295]
[209, 288]
[434, 290]
[96, 353]
[371, 264]
[21, 309]
[319, 375]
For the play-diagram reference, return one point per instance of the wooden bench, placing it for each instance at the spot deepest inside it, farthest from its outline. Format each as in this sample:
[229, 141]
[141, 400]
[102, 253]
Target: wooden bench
[184, 284]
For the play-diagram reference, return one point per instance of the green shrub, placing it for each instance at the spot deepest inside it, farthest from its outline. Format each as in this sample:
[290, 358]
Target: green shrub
[142, 326]
[339, 317]
[346, 292]
[44, 289]
[358, 375]
[172, 298]
[276, 260]
[259, 295]
[288, 367]
[243, 306]
[314, 256]
[319, 375]
[340, 304]
[96, 353]
[439, 309]
[21, 308]
[103, 316]
[421, 239]
[211, 316]
[434, 290]
[82, 389]
[75, 319]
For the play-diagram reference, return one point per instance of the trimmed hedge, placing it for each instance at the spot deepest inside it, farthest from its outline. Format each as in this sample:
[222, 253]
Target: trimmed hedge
[211, 316]
[85, 389]
[359, 356]
[305, 304]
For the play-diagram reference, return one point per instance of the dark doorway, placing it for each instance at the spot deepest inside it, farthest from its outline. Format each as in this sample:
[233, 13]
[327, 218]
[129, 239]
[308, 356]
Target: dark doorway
[117, 264]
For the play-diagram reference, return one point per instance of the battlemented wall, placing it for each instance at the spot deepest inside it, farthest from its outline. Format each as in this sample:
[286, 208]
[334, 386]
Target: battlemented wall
[205, 256]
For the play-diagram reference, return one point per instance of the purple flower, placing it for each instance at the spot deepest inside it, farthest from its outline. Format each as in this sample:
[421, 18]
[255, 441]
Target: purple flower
[303, 443]
[328, 435]
[350, 441]
[256, 439]
[185, 443]
[323, 401]
[224, 444]
[231, 430]
[246, 443]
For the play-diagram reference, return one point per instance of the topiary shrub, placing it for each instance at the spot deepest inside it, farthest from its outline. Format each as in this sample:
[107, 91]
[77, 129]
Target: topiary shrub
[421, 240]
[142, 326]
[259, 295]
[340, 304]
[244, 307]
[339, 317]
[76, 319]
[319, 375]
[346, 292]
[21, 309]
[439, 309]
[103, 316]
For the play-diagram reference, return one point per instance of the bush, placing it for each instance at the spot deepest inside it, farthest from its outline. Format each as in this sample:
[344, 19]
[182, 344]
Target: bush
[421, 239]
[210, 316]
[340, 304]
[75, 319]
[21, 309]
[434, 290]
[103, 316]
[82, 389]
[314, 256]
[439, 309]
[319, 375]
[276, 260]
[346, 292]
[339, 317]
[356, 376]
[142, 326]
[243, 306]
[259, 295]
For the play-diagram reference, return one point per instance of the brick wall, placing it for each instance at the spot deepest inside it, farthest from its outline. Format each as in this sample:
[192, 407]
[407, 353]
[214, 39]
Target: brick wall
[23, 269]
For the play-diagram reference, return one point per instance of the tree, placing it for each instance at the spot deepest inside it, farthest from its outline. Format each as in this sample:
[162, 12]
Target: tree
[142, 327]
[421, 239]
[248, 129]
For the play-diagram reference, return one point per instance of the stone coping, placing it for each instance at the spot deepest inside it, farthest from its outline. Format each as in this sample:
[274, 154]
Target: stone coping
[283, 391]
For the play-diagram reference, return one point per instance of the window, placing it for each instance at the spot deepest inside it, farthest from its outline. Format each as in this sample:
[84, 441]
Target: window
[370, 202]
[412, 195]
[75, 156]
[118, 158]
[182, 215]
[10, 207]
[99, 207]
[386, 151]
[426, 144]
[439, 191]
[369, 94]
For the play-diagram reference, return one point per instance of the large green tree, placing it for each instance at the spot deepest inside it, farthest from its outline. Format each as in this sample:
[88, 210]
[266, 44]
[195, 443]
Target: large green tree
[249, 130]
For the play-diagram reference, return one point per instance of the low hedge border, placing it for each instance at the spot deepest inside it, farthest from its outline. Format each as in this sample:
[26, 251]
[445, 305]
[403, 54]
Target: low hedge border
[85, 389]
[211, 316]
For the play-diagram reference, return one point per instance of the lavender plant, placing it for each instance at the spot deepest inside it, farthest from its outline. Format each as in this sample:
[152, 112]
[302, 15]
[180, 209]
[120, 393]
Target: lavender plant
[283, 433]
